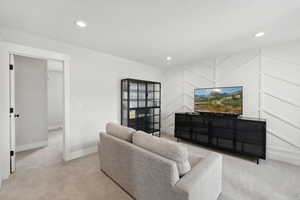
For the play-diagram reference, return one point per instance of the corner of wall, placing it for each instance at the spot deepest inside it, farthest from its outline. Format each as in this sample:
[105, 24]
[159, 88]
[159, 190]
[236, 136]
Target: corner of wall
[35, 145]
[285, 156]
[81, 153]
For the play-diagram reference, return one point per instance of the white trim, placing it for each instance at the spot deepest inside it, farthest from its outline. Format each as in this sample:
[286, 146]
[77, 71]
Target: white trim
[260, 86]
[284, 156]
[12, 119]
[36, 145]
[21, 50]
[56, 127]
[215, 73]
[67, 111]
[82, 152]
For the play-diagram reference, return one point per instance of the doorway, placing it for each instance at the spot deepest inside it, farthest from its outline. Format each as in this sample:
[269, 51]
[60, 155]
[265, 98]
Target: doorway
[34, 142]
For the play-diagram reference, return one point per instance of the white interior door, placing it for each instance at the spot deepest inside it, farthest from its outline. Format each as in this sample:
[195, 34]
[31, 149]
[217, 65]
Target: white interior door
[12, 114]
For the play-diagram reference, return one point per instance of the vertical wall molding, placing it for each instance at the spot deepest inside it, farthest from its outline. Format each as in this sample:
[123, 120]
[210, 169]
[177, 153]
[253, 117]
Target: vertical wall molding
[260, 95]
[215, 73]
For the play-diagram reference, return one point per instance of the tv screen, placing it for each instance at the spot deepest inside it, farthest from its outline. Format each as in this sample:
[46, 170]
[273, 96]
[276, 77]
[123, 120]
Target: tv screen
[219, 100]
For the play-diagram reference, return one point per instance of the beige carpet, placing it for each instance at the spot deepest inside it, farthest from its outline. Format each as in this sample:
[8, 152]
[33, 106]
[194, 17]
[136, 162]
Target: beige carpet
[42, 175]
[42, 157]
[243, 179]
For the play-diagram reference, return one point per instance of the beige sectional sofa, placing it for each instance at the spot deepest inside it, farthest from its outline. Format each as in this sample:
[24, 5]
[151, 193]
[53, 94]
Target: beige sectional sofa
[149, 169]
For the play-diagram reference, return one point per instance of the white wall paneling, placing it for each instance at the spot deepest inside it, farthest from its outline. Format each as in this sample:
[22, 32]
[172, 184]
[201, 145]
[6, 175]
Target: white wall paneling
[270, 77]
[173, 99]
[281, 94]
[242, 69]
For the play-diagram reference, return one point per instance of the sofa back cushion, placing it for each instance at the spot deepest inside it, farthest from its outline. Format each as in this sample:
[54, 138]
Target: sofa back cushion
[119, 131]
[165, 148]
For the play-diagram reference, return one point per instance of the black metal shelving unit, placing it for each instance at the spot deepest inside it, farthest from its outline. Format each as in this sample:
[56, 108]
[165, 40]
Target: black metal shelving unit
[141, 105]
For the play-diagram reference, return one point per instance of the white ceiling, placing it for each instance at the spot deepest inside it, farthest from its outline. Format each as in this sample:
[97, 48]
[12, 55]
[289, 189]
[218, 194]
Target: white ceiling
[149, 30]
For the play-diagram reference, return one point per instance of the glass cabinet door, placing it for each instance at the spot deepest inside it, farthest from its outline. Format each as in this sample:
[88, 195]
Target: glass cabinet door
[150, 94]
[124, 102]
[133, 89]
[141, 94]
[156, 119]
[156, 94]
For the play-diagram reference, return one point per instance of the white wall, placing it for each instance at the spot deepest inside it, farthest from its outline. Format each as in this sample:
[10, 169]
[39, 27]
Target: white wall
[270, 77]
[55, 99]
[95, 88]
[4, 111]
[31, 103]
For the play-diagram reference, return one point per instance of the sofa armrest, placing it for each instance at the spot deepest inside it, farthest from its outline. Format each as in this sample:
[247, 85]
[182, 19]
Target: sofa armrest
[204, 181]
[99, 148]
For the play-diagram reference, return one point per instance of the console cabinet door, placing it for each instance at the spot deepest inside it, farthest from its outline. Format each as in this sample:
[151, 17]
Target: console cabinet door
[222, 133]
[182, 126]
[200, 129]
[250, 138]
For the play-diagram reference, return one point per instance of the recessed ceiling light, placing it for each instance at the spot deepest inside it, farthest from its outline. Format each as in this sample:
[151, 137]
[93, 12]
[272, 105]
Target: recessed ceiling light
[169, 58]
[81, 24]
[259, 34]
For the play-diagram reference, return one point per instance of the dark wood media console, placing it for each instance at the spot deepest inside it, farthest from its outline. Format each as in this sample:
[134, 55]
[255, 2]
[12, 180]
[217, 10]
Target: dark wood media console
[241, 135]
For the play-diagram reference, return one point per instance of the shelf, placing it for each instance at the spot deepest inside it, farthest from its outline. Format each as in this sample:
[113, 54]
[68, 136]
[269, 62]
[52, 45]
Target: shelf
[138, 99]
[152, 91]
[142, 91]
[150, 107]
[144, 117]
[137, 90]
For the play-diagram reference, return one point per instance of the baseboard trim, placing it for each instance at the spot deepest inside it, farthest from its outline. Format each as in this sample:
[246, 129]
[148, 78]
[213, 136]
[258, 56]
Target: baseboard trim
[36, 145]
[54, 128]
[284, 155]
[82, 152]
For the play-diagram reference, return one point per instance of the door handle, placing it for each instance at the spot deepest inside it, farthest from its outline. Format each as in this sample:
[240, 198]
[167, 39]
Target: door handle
[17, 115]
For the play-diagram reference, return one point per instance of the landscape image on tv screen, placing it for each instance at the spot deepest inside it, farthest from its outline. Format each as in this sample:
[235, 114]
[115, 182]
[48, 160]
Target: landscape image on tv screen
[223, 100]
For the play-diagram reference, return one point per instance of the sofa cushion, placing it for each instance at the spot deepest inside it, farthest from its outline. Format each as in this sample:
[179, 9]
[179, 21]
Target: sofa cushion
[119, 131]
[165, 148]
[194, 159]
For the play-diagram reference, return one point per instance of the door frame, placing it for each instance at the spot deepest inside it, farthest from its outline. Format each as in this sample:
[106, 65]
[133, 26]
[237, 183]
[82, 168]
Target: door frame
[12, 118]
[20, 50]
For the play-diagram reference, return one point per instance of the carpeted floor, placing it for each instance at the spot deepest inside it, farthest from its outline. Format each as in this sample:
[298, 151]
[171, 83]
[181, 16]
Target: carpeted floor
[243, 179]
[42, 175]
[42, 157]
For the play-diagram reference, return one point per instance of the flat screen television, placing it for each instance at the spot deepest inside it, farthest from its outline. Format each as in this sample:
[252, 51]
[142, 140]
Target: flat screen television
[219, 100]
